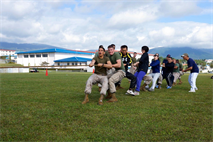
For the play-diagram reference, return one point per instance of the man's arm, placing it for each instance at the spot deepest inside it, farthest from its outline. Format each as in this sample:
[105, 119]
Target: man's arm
[108, 65]
[118, 65]
[92, 63]
[136, 64]
[189, 68]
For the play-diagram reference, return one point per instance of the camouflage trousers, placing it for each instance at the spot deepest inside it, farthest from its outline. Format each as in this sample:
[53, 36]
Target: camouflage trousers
[114, 77]
[176, 76]
[181, 73]
[95, 78]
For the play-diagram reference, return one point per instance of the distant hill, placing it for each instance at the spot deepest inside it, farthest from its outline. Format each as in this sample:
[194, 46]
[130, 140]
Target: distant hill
[25, 46]
[176, 52]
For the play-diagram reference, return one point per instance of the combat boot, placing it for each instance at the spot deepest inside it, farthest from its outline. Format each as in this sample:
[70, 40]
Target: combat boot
[119, 87]
[180, 83]
[86, 99]
[143, 87]
[113, 99]
[109, 95]
[100, 101]
[99, 89]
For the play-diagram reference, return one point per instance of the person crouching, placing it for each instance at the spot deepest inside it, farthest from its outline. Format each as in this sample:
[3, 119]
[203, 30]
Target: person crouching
[100, 76]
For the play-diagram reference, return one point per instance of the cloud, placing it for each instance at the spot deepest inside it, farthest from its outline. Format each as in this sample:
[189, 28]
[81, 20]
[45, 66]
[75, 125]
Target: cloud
[178, 8]
[87, 24]
[16, 10]
[132, 17]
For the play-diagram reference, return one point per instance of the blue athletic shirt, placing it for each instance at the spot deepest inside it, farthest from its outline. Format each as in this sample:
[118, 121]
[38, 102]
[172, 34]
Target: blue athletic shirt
[191, 63]
[155, 66]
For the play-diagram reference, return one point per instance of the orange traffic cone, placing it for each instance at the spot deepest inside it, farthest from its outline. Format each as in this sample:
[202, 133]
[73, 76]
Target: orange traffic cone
[93, 71]
[46, 72]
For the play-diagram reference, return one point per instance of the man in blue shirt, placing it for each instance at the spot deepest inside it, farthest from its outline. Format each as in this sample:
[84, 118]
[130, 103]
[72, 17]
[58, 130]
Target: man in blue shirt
[192, 66]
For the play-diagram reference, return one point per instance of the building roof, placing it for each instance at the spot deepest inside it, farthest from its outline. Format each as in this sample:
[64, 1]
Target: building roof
[74, 59]
[54, 50]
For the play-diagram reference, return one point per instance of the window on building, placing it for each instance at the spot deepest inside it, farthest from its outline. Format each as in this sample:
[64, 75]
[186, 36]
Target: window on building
[44, 55]
[76, 64]
[25, 56]
[68, 64]
[73, 64]
[38, 55]
[80, 63]
[32, 56]
[58, 64]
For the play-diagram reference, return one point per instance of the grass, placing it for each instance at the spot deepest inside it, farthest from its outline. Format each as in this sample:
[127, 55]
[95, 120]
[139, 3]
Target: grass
[35, 107]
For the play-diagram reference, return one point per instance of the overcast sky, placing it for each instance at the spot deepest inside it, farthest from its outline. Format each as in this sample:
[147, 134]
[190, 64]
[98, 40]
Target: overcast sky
[86, 24]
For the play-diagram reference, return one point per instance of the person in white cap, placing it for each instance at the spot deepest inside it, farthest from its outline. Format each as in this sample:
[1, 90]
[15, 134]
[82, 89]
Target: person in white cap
[192, 66]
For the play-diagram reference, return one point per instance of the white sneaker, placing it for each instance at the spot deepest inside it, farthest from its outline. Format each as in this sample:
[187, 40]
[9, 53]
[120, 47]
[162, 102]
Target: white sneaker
[136, 93]
[130, 92]
[196, 88]
[151, 90]
[192, 90]
[99, 85]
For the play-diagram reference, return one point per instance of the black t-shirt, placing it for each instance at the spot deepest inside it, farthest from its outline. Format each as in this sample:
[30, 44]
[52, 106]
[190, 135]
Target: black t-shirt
[169, 67]
[164, 68]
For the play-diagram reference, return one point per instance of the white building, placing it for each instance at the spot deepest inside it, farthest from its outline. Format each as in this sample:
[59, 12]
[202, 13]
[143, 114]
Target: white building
[209, 60]
[6, 52]
[35, 58]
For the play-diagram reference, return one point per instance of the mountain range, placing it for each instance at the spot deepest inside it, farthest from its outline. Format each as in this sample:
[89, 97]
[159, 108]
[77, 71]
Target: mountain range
[175, 52]
[25, 46]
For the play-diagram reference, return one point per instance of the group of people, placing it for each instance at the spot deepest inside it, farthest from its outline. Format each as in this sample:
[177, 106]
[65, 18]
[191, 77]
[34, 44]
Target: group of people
[111, 67]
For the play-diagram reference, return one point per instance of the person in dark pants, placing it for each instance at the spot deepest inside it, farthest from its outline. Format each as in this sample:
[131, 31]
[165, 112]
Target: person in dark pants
[169, 72]
[163, 72]
[127, 61]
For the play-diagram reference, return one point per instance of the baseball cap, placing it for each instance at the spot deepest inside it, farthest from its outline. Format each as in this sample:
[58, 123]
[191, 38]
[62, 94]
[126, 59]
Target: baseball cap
[168, 55]
[135, 52]
[185, 54]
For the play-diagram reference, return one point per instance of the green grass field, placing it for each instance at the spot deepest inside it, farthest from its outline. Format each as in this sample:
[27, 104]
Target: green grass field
[35, 107]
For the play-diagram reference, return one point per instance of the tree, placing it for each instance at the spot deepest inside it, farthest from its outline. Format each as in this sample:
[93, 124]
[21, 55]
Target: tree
[161, 59]
[211, 65]
[44, 63]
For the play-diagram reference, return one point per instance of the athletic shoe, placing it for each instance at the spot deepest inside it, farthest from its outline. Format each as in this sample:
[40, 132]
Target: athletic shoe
[196, 88]
[147, 87]
[151, 90]
[136, 93]
[130, 92]
[156, 86]
[192, 90]
[168, 87]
